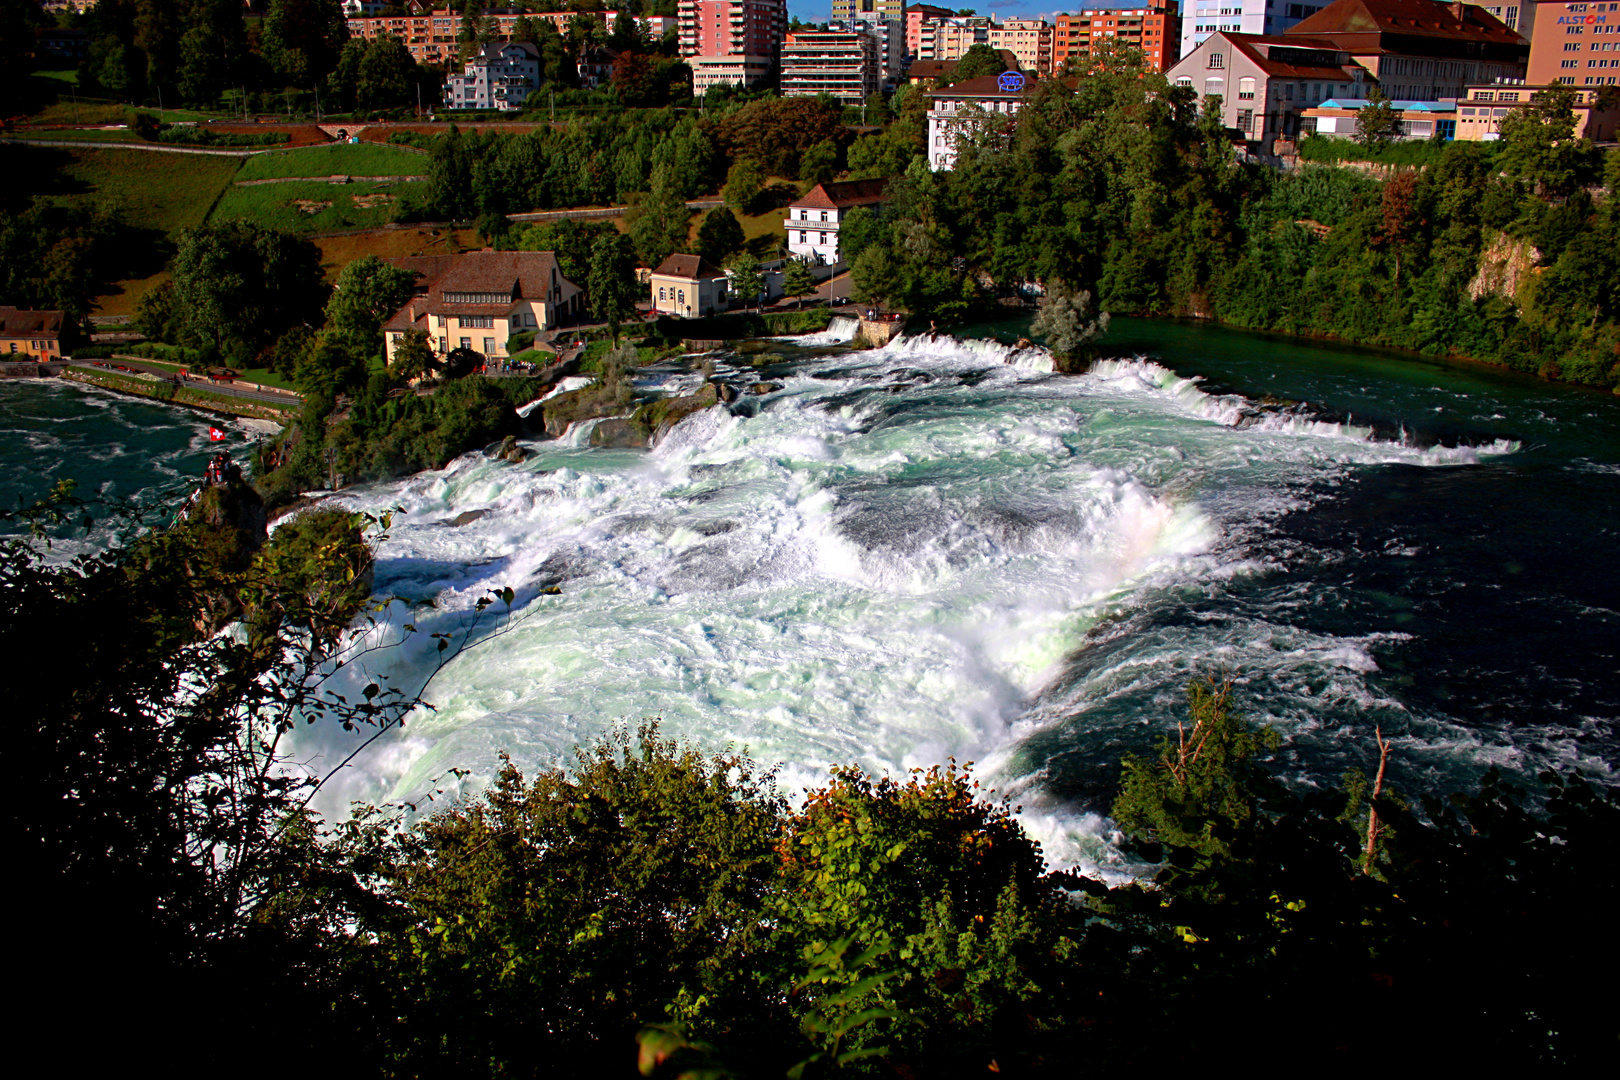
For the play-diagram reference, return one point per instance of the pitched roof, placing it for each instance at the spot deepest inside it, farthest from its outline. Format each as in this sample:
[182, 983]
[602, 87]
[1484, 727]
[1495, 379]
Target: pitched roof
[1282, 68]
[518, 274]
[836, 195]
[1422, 18]
[689, 266]
[20, 322]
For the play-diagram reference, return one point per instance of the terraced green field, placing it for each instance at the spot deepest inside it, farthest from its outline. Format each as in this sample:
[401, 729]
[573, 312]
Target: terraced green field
[338, 159]
[315, 206]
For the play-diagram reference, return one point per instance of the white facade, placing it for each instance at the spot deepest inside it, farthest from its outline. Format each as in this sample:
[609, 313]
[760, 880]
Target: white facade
[1201, 18]
[956, 107]
[734, 70]
[843, 63]
[501, 76]
[890, 33]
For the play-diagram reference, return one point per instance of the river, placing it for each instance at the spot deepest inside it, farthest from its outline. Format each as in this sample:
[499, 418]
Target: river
[940, 548]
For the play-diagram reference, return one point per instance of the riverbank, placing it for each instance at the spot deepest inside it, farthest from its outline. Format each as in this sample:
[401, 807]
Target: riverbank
[171, 394]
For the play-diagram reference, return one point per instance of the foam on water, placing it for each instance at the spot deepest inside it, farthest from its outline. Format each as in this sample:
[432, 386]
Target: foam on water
[898, 558]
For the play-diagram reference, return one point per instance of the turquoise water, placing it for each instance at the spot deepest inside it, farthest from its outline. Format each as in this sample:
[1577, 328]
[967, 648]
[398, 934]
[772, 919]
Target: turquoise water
[940, 548]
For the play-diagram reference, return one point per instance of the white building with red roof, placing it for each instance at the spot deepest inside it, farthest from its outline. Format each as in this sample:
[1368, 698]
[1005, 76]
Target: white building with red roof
[812, 222]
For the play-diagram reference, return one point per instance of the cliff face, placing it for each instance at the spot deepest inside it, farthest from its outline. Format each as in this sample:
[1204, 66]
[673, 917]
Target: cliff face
[1506, 265]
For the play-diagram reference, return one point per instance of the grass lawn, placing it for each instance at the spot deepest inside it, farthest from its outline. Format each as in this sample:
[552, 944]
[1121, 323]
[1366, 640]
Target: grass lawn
[314, 206]
[167, 192]
[266, 377]
[339, 251]
[82, 135]
[337, 159]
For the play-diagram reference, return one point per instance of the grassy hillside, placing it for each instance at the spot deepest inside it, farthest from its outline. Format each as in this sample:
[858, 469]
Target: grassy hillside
[167, 192]
[337, 159]
[315, 206]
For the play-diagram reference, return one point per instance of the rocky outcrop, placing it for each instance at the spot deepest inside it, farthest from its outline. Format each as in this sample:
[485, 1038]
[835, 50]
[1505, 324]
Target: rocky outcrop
[1505, 265]
[651, 421]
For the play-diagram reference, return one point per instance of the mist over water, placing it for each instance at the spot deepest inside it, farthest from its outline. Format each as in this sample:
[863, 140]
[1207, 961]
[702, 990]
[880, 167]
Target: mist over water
[941, 548]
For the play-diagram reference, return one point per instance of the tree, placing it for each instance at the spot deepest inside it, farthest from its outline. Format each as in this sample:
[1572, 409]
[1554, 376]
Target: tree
[747, 283]
[413, 359]
[301, 39]
[1539, 144]
[719, 235]
[659, 222]
[1376, 122]
[612, 287]
[820, 163]
[978, 60]
[367, 292]
[745, 182]
[1069, 323]
[238, 286]
[797, 280]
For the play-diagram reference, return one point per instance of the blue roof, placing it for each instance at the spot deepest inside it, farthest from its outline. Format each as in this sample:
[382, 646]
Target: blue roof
[1399, 106]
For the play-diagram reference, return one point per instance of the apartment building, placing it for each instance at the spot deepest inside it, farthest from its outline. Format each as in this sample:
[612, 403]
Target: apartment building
[430, 35]
[730, 41]
[949, 39]
[1028, 39]
[1154, 30]
[842, 62]
[916, 15]
[499, 76]
[1577, 45]
[1201, 18]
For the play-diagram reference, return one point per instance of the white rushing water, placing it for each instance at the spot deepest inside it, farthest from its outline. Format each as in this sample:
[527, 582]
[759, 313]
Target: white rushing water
[889, 563]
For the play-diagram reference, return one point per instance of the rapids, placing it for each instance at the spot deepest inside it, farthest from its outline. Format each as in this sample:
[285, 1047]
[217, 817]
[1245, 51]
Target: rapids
[940, 548]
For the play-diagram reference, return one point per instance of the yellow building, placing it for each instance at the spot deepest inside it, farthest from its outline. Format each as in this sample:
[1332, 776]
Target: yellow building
[1028, 39]
[30, 335]
[689, 286]
[480, 299]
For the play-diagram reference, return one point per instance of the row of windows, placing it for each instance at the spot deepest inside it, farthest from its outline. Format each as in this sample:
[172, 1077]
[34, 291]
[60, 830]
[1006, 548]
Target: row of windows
[37, 346]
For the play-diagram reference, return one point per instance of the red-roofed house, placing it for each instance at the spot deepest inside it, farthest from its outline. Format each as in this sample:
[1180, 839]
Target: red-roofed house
[812, 222]
[1412, 50]
[479, 299]
[689, 286]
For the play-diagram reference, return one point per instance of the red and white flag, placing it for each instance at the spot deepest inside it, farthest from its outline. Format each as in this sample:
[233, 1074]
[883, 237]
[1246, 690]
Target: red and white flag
[215, 435]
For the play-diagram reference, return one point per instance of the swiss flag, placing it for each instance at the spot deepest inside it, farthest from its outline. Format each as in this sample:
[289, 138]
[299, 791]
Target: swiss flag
[215, 435]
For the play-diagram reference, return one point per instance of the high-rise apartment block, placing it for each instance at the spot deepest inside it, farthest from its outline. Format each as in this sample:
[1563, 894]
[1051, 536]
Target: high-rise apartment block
[430, 34]
[1154, 30]
[1028, 39]
[949, 39]
[731, 41]
[842, 62]
[916, 15]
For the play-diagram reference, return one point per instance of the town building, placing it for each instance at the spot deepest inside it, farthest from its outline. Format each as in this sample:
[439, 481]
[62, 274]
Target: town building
[1414, 120]
[886, 19]
[1028, 39]
[689, 286]
[812, 222]
[1156, 30]
[1519, 15]
[840, 62]
[916, 15]
[595, 65]
[1420, 50]
[30, 334]
[1201, 18]
[731, 41]
[950, 39]
[1577, 45]
[479, 299]
[1482, 110]
[956, 108]
[1412, 50]
[430, 34]
[499, 76]
[1266, 83]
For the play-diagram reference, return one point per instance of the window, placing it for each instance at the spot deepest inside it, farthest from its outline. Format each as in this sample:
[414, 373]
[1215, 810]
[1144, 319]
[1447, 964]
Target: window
[476, 322]
[1214, 86]
[680, 296]
[1216, 61]
[489, 345]
[1245, 119]
[1245, 89]
[821, 238]
[1468, 112]
[824, 215]
[1572, 46]
[444, 344]
[466, 343]
[1569, 63]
